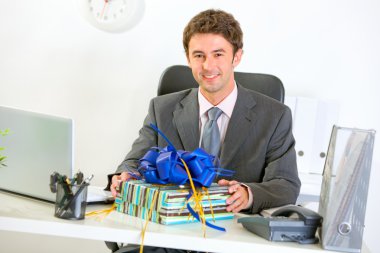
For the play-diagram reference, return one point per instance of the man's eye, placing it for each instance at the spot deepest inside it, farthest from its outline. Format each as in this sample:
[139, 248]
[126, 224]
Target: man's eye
[198, 56]
[218, 54]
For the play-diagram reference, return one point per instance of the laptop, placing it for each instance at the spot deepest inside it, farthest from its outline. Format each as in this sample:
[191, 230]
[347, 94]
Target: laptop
[36, 146]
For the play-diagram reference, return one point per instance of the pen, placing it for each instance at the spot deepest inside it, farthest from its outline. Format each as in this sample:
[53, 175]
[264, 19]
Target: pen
[65, 185]
[85, 183]
[78, 177]
[53, 182]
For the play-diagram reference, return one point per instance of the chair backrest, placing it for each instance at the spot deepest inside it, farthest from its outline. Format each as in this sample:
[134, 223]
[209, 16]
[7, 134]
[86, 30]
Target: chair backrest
[179, 77]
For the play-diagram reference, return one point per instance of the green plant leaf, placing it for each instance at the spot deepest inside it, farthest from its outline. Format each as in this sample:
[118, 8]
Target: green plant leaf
[4, 132]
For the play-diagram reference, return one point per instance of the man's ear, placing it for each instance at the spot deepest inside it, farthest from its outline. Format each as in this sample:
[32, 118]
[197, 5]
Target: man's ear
[237, 57]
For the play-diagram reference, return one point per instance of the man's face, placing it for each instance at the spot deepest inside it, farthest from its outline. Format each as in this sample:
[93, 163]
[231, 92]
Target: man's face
[212, 62]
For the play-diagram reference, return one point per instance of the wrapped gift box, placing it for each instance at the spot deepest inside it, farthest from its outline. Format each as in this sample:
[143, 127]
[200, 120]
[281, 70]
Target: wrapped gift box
[136, 198]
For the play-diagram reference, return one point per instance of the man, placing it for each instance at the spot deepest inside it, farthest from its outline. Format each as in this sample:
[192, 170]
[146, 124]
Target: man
[255, 131]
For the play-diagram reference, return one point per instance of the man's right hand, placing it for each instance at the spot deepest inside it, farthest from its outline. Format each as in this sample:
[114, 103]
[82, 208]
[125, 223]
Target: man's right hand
[116, 181]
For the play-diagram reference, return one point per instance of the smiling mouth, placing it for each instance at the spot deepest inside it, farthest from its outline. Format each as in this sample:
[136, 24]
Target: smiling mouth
[210, 76]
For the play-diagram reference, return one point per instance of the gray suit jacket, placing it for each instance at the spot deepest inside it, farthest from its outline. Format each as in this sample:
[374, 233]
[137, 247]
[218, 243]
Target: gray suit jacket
[259, 144]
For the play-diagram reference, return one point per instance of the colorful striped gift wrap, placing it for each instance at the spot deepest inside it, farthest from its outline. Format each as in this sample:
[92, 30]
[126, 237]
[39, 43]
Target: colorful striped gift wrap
[136, 199]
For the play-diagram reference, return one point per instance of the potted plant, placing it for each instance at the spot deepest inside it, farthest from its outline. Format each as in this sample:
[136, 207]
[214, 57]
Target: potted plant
[2, 157]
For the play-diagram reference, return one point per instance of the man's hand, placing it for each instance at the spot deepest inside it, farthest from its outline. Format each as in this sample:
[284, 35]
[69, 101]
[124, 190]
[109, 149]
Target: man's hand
[239, 198]
[116, 181]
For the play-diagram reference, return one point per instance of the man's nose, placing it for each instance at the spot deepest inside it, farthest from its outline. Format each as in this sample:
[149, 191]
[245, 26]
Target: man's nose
[208, 63]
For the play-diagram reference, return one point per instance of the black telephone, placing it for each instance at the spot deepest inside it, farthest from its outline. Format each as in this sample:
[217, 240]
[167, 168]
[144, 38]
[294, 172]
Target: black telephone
[281, 226]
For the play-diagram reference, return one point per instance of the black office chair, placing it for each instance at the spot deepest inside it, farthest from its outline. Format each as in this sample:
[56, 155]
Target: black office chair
[180, 77]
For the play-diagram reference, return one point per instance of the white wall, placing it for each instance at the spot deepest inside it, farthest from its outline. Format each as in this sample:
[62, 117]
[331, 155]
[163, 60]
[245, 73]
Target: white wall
[53, 61]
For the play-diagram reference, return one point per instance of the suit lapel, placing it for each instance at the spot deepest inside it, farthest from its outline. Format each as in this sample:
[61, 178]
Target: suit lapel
[241, 123]
[186, 119]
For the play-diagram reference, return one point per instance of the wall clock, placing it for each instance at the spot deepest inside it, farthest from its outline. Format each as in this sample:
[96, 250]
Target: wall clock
[112, 15]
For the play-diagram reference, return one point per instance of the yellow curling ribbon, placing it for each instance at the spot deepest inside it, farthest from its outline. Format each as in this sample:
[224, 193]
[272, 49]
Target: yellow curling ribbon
[101, 214]
[147, 220]
[197, 199]
[209, 200]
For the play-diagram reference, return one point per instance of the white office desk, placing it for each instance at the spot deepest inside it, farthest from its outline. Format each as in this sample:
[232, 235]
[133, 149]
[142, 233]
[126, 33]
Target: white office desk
[21, 214]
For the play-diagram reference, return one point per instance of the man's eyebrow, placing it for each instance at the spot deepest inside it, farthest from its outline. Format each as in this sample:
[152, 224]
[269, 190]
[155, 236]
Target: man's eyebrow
[197, 52]
[220, 50]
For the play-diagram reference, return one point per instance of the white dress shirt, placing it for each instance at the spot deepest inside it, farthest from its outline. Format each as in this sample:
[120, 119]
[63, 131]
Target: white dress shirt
[227, 106]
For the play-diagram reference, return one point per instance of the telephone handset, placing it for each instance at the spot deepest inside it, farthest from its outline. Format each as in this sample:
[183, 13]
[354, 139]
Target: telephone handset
[289, 223]
[308, 216]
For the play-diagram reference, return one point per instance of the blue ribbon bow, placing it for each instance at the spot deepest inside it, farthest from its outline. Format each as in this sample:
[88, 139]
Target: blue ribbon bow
[164, 166]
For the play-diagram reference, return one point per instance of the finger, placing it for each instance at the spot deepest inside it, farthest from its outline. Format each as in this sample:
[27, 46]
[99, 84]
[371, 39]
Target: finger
[125, 176]
[114, 189]
[115, 183]
[238, 200]
[113, 186]
[116, 178]
[241, 206]
[234, 205]
[113, 192]
[234, 197]
[223, 182]
[237, 207]
[233, 182]
[234, 188]
[238, 204]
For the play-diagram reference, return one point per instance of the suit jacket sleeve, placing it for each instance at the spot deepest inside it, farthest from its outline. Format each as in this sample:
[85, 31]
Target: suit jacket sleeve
[280, 183]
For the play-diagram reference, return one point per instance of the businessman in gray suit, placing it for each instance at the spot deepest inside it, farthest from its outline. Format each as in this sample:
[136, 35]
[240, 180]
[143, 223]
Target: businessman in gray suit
[255, 130]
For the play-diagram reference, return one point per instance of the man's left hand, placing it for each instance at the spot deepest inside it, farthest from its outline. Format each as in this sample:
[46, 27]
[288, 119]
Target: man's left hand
[239, 198]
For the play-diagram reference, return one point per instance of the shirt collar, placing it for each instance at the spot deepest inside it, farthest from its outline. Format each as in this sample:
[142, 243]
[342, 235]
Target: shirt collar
[227, 105]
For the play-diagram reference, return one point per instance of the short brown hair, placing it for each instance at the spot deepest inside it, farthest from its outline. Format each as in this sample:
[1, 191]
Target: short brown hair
[216, 22]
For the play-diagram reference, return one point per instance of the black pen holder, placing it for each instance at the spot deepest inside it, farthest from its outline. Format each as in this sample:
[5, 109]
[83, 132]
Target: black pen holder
[71, 201]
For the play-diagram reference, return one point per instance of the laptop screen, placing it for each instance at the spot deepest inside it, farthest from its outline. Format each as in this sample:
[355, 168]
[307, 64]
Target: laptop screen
[36, 146]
